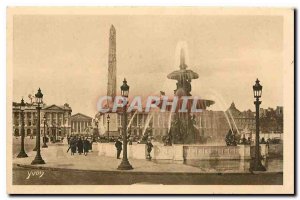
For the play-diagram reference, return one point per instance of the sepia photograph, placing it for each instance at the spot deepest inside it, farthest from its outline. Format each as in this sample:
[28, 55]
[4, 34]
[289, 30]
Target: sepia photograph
[150, 100]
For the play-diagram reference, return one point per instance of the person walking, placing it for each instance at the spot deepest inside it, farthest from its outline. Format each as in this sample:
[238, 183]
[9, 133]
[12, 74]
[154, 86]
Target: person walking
[80, 146]
[149, 147]
[118, 146]
[86, 146]
[69, 144]
[73, 145]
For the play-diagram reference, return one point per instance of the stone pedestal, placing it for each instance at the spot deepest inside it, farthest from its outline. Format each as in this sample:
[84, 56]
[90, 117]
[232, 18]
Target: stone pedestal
[264, 150]
[244, 151]
[178, 153]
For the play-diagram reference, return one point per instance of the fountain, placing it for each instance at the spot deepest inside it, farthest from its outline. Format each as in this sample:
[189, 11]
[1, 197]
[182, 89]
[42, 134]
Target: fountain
[183, 130]
[180, 140]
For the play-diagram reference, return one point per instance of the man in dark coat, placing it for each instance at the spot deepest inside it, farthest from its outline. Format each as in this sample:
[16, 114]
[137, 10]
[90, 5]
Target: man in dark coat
[149, 147]
[73, 145]
[118, 146]
[80, 146]
[86, 146]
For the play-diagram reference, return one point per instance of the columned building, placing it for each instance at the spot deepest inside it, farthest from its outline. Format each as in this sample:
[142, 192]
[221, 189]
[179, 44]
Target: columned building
[81, 124]
[210, 124]
[57, 119]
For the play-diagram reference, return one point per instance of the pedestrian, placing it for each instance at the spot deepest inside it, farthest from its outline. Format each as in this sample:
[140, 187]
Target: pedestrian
[80, 146]
[73, 145]
[91, 145]
[69, 144]
[118, 146]
[86, 146]
[149, 147]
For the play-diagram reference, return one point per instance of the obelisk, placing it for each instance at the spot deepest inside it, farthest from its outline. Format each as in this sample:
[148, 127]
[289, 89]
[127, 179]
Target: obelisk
[112, 64]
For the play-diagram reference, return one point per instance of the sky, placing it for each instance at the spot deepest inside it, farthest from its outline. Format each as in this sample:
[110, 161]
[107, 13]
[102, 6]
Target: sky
[67, 57]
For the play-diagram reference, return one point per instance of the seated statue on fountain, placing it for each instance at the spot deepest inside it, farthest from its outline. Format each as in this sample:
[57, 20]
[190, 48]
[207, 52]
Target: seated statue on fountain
[231, 139]
[167, 140]
[183, 84]
[183, 130]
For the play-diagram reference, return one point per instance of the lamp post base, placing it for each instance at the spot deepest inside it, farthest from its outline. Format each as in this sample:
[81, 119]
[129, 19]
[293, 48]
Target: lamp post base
[258, 167]
[38, 160]
[125, 165]
[44, 146]
[22, 154]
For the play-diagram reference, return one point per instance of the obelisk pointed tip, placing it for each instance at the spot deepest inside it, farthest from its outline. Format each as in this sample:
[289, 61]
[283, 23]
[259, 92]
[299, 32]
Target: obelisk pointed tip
[112, 27]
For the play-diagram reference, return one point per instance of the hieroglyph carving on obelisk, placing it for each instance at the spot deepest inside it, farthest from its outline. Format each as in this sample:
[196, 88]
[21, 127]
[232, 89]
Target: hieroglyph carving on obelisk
[112, 64]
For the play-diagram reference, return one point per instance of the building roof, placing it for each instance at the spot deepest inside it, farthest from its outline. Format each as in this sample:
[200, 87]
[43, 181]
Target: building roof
[29, 106]
[79, 116]
[233, 110]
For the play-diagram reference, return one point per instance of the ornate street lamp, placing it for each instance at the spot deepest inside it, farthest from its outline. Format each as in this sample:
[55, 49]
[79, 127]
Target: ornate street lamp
[97, 126]
[139, 130]
[45, 138]
[22, 153]
[38, 158]
[125, 165]
[108, 120]
[35, 120]
[257, 91]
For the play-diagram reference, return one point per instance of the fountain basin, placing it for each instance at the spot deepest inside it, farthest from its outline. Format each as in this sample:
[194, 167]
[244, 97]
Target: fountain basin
[183, 152]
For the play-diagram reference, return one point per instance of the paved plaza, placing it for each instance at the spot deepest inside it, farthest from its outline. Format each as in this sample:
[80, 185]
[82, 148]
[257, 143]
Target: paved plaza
[62, 168]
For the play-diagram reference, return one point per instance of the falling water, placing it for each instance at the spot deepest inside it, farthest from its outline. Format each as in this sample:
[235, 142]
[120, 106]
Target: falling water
[218, 97]
[234, 122]
[131, 119]
[181, 45]
[223, 103]
[169, 122]
[149, 117]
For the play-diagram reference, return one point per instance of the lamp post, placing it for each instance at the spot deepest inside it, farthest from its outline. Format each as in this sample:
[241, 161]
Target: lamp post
[108, 120]
[38, 158]
[34, 119]
[22, 153]
[44, 139]
[97, 124]
[139, 125]
[257, 90]
[125, 165]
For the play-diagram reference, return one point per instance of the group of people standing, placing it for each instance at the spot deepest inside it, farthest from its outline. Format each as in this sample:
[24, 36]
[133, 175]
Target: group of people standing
[78, 144]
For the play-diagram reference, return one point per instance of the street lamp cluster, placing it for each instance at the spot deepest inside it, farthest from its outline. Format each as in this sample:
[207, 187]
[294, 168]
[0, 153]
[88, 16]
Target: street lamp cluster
[38, 158]
[39, 100]
[45, 138]
[257, 91]
[108, 121]
[22, 153]
[125, 165]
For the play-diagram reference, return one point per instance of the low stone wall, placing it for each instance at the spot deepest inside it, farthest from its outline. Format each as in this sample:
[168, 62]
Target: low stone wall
[264, 150]
[275, 150]
[216, 152]
[179, 152]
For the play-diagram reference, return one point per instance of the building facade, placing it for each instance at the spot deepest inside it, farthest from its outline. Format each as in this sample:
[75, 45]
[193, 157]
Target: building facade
[81, 124]
[57, 119]
[210, 124]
